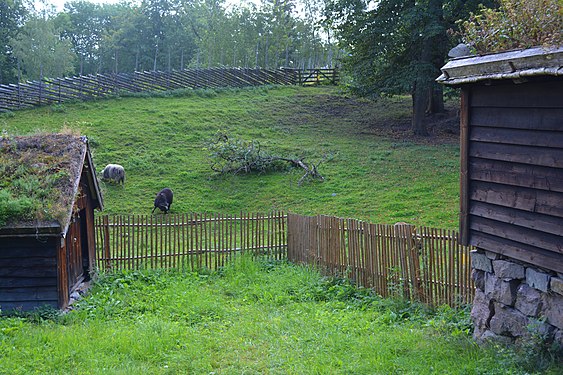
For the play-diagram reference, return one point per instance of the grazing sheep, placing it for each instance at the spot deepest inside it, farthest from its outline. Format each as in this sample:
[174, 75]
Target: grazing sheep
[163, 200]
[114, 172]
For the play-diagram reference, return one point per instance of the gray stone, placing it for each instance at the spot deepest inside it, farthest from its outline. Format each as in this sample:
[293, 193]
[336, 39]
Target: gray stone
[478, 277]
[558, 337]
[481, 262]
[500, 290]
[528, 300]
[480, 311]
[459, 51]
[553, 309]
[536, 279]
[491, 255]
[508, 270]
[508, 322]
[489, 337]
[556, 285]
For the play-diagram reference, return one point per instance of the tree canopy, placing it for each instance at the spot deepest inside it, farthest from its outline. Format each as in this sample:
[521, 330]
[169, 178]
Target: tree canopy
[161, 35]
[397, 47]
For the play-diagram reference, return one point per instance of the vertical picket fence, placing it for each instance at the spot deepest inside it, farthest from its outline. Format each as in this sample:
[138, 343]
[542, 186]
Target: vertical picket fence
[186, 241]
[418, 263]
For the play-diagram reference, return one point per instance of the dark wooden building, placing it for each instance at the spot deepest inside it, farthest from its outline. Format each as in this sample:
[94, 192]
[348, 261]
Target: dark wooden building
[43, 261]
[512, 153]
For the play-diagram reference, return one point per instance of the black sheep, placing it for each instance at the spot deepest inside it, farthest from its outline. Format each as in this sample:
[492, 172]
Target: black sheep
[163, 200]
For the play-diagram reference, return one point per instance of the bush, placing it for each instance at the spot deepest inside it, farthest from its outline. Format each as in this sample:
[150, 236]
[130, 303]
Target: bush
[516, 24]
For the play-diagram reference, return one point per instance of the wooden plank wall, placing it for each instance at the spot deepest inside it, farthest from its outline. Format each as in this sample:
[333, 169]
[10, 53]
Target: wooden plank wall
[418, 263]
[61, 90]
[186, 241]
[514, 181]
[28, 273]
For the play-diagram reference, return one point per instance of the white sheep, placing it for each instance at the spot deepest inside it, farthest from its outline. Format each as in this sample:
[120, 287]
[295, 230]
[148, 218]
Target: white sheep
[114, 172]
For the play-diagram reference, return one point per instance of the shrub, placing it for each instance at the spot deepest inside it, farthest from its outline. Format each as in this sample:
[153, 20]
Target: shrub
[516, 24]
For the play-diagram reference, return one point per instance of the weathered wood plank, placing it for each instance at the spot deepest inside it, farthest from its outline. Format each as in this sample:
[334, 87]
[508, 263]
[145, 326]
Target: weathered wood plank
[546, 94]
[536, 138]
[524, 175]
[529, 254]
[517, 234]
[538, 201]
[547, 119]
[541, 223]
[547, 157]
[27, 281]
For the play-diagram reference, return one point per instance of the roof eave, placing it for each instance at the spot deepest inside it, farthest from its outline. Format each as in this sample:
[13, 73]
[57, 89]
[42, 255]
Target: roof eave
[513, 65]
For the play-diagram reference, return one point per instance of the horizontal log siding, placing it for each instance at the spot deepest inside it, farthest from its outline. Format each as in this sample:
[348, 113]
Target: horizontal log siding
[28, 273]
[515, 171]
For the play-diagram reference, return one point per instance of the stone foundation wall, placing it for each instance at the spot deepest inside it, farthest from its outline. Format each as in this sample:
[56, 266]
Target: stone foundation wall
[514, 300]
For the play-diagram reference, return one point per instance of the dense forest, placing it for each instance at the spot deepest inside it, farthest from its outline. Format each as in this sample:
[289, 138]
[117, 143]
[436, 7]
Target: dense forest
[87, 38]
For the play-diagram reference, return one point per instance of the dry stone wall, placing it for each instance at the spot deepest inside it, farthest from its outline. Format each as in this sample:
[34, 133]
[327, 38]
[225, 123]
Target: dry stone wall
[515, 300]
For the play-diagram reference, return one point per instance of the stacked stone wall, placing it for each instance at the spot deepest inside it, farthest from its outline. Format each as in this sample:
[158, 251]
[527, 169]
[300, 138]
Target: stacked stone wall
[515, 300]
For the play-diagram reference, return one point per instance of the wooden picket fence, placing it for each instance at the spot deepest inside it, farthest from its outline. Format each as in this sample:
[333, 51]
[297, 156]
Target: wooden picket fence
[60, 90]
[417, 263]
[186, 241]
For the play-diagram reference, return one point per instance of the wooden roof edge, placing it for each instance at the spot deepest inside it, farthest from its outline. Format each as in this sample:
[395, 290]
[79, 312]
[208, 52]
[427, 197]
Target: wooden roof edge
[87, 163]
[39, 229]
[531, 62]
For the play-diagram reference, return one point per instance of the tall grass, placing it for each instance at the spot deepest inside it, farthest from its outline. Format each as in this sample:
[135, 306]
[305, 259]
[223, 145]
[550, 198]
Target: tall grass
[251, 317]
[161, 142]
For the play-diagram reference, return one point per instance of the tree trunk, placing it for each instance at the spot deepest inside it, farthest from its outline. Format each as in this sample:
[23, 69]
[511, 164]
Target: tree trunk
[419, 103]
[435, 99]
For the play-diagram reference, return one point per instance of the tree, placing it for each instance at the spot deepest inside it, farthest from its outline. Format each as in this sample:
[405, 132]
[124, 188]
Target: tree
[398, 47]
[41, 51]
[12, 15]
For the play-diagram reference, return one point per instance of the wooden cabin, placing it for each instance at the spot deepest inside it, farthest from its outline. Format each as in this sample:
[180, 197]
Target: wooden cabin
[512, 153]
[44, 258]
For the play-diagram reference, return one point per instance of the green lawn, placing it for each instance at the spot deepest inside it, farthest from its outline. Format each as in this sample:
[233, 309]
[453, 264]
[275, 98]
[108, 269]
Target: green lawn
[162, 142]
[249, 318]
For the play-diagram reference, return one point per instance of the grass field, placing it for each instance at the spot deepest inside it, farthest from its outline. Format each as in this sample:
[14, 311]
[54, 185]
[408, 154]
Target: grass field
[249, 318]
[371, 172]
[253, 317]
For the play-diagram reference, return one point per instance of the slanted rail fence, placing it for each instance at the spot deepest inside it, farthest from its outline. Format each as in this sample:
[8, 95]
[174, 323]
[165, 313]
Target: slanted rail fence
[418, 263]
[60, 90]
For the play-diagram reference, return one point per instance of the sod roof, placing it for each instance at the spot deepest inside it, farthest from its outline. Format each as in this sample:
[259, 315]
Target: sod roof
[40, 178]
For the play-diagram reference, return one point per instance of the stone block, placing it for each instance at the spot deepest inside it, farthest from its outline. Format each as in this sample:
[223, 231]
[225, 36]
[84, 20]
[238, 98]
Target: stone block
[478, 277]
[553, 309]
[537, 279]
[491, 255]
[480, 311]
[528, 300]
[500, 290]
[556, 285]
[481, 262]
[489, 337]
[508, 270]
[508, 322]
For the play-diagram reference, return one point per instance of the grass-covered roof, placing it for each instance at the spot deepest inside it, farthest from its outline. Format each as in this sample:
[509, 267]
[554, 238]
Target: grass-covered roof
[39, 177]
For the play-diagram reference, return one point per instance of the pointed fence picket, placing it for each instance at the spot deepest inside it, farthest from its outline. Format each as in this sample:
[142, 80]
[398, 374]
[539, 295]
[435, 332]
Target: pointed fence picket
[418, 263]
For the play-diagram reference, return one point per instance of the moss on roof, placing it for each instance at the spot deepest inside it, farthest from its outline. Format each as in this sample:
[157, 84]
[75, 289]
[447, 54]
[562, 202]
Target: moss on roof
[38, 177]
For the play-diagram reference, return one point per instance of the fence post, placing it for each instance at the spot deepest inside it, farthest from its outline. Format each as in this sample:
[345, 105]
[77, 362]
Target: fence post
[107, 252]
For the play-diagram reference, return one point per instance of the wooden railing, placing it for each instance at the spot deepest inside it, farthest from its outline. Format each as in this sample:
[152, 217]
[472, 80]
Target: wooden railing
[417, 263]
[186, 241]
[60, 90]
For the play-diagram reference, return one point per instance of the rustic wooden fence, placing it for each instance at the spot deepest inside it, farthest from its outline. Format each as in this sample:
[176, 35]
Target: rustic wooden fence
[418, 263]
[60, 90]
[317, 76]
[186, 241]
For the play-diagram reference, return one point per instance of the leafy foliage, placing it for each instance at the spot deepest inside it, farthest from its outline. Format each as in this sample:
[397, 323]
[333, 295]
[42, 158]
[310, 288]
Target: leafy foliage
[516, 24]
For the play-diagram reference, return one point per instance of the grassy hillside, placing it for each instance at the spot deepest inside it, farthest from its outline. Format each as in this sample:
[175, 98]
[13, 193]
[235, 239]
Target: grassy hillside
[371, 171]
